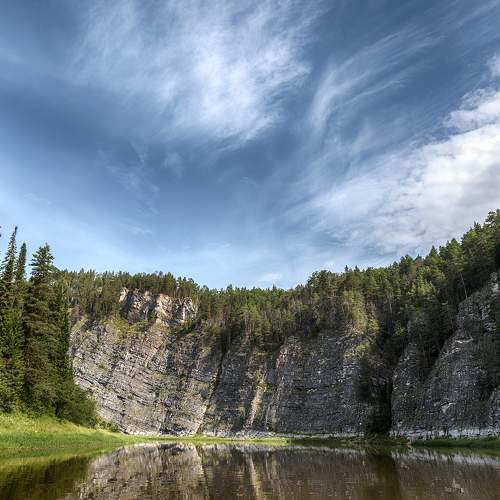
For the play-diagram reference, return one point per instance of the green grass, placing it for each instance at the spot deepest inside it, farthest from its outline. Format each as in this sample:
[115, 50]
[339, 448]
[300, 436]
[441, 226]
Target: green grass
[21, 435]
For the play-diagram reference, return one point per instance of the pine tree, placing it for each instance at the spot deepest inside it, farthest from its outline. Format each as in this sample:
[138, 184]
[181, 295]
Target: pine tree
[7, 267]
[16, 368]
[20, 271]
[6, 284]
[40, 322]
[49, 387]
[19, 289]
[8, 392]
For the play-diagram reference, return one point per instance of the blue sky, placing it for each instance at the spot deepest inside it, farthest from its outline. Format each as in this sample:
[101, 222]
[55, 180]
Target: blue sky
[247, 142]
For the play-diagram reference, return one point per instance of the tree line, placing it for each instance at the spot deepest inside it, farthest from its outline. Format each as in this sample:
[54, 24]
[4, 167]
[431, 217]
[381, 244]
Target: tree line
[35, 370]
[382, 302]
[413, 300]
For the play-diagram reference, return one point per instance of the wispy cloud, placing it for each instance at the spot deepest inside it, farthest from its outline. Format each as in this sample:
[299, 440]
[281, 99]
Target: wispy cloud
[374, 69]
[133, 173]
[216, 69]
[478, 109]
[136, 230]
[415, 196]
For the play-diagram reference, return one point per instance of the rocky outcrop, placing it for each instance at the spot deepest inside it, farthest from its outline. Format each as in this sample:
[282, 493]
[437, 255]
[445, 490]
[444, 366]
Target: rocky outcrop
[460, 396]
[162, 309]
[146, 378]
[151, 374]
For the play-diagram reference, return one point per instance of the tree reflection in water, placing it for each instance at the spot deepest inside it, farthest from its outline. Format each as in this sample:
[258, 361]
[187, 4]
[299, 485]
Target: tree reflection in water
[189, 471]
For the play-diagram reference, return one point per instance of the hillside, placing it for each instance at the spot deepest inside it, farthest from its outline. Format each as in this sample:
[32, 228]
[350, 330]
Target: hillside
[410, 349]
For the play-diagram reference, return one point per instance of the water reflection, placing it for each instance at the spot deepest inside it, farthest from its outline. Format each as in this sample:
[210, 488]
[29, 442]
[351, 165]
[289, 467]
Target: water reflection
[187, 471]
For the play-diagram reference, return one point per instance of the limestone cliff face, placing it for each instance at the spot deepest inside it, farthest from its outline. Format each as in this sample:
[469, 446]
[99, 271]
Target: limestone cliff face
[144, 377]
[306, 386]
[461, 395]
[151, 375]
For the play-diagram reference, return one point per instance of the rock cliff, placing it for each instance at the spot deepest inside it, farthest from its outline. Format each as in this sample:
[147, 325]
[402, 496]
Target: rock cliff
[150, 374]
[461, 395]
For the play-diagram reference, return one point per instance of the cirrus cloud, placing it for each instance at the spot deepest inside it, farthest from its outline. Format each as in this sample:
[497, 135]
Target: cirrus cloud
[214, 69]
[408, 199]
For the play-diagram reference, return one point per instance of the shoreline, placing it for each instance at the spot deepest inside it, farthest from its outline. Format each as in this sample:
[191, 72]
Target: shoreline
[20, 435]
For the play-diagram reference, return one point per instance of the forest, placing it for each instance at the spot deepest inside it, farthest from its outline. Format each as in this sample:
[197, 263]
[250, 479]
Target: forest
[35, 371]
[415, 299]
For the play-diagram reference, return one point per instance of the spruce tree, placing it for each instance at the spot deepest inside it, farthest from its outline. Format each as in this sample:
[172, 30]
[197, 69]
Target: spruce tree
[8, 375]
[17, 352]
[40, 325]
[20, 272]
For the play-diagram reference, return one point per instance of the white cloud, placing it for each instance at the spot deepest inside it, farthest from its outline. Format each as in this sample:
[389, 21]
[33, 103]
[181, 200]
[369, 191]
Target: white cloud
[374, 69]
[218, 69]
[137, 230]
[411, 198]
[480, 108]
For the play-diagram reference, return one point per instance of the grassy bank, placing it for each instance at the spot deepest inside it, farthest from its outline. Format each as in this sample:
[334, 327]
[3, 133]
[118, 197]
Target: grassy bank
[19, 432]
[22, 435]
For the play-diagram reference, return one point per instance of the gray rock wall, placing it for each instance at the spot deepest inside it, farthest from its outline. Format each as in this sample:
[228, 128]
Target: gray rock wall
[460, 396]
[305, 387]
[148, 376]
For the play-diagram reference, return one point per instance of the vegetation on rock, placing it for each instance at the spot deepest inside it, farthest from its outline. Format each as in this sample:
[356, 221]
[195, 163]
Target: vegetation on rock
[415, 299]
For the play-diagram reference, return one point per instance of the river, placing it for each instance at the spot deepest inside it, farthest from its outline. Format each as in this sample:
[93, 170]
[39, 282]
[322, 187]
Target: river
[232, 471]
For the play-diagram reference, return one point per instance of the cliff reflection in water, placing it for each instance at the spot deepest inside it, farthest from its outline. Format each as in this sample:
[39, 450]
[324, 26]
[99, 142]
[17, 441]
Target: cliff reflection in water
[188, 471]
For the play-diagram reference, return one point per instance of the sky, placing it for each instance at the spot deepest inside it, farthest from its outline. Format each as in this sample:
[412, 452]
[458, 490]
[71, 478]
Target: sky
[247, 142]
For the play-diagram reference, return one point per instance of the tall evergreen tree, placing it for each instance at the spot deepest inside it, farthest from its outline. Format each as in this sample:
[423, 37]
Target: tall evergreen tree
[41, 333]
[18, 341]
[8, 392]
[20, 271]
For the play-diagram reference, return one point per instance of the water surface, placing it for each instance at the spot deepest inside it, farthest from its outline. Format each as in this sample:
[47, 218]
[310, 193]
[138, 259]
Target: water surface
[210, 471]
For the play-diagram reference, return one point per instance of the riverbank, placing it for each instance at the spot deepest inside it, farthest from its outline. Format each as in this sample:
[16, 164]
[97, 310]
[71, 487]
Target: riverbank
[20, 434]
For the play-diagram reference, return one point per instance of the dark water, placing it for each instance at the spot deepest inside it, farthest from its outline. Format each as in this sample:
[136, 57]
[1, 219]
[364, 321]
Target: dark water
[187, 471]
